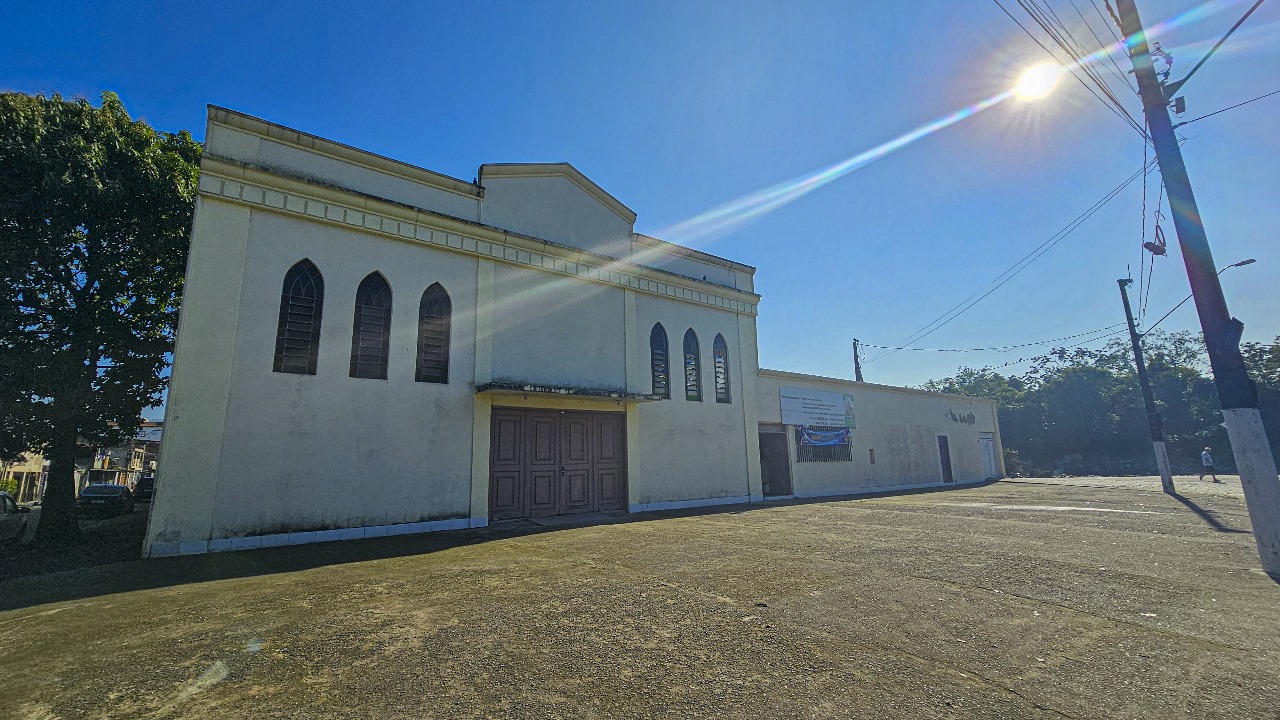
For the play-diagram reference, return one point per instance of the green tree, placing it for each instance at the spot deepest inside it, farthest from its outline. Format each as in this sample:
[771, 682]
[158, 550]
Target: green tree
[95, 218]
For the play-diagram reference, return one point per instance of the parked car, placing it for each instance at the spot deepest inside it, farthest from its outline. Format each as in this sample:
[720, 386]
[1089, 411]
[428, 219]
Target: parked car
[105, 500]
[145, 488]
[13, 519]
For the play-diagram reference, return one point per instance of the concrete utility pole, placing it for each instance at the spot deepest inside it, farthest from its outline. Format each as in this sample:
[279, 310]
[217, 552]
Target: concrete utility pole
[857, 362]
[1153, 416]
[1237, 394]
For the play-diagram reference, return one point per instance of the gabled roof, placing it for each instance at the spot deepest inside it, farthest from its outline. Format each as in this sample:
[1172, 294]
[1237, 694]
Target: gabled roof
[560, 169]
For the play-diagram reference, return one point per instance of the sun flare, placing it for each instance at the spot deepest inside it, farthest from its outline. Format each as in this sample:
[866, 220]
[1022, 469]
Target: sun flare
[1038, 81]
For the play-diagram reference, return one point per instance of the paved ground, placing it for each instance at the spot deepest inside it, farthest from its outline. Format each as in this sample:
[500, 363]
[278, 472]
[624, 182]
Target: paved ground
[1080, 598]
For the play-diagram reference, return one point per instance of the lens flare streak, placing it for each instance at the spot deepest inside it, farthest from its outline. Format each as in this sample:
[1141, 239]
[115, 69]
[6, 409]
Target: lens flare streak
[723, 219]
[734, 213]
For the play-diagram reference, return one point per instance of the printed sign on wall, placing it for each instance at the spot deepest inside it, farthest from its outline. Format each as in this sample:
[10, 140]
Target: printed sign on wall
[815, 408]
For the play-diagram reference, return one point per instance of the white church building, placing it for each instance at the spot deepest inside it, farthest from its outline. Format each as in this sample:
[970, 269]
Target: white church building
[368, 348]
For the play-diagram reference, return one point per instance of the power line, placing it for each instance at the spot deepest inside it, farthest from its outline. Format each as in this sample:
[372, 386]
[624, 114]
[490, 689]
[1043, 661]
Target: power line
[1045, 19]
[1103, 44]
[1000, 348]
[1050, 354]
[1017, 267]
[1118, 111]
[1233, 107]
[1175, 86]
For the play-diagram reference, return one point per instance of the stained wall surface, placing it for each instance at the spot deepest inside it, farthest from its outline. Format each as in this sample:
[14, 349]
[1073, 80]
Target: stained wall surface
[900, 425]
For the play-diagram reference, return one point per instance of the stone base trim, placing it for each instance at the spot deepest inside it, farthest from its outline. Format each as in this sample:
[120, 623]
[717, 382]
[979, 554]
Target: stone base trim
[882, 489]
[683, 504]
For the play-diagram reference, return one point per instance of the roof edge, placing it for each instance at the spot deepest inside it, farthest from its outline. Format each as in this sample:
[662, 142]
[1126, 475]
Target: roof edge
[700, 256]
[341, 151]
[788, 375]
[558, 169]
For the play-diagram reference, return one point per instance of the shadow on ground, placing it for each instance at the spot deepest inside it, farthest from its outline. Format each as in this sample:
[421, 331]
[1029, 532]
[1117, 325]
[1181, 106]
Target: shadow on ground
[107, 559]
[1207, 515]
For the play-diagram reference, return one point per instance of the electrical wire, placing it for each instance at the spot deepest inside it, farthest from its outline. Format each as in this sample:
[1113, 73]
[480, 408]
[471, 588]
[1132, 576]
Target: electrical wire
[1142, 314]
[1119, 72]
[1000, 348]
[1050, 354]
[1113, 107]
[1142, 239]
[1174, 87]
[1017, 267]
[1233, 107]
[1046, 19]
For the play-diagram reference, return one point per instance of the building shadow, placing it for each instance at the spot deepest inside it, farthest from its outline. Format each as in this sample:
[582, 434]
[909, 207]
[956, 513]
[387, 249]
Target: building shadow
[1206, 515]
[105, 570]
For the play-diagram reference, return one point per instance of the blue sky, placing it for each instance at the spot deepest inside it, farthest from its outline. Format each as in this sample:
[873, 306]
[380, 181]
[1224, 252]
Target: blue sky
[676, 108]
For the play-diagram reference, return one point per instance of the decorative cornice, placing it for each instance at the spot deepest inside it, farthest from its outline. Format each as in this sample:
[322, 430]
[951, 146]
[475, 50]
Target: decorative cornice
[681, 251]
[564, 170]
[263, 189]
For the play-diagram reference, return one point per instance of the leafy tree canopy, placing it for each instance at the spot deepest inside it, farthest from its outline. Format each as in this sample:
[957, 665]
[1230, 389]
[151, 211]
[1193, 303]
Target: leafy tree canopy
[95, 218]
[1078, 410]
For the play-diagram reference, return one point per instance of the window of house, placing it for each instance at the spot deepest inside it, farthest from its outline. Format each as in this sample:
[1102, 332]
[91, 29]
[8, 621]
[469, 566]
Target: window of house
[371, 331]
[692, 367]
[720, 353]
[659, 361]
[434, 315]
[298, 332]
[807, 452]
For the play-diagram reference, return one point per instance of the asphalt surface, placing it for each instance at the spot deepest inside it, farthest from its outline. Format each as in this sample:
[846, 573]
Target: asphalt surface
[1077, 598]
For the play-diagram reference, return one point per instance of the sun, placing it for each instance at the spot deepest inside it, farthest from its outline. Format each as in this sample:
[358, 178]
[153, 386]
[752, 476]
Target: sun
[1038, 81]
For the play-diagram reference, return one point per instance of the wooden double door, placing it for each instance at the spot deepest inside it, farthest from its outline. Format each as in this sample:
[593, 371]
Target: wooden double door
[549, 462]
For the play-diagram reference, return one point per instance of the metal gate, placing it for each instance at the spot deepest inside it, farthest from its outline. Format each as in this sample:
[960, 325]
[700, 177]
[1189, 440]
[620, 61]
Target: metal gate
[548, 462]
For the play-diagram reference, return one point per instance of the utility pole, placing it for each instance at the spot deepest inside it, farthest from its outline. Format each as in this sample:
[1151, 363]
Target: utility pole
[857, 362]
[1153, 416]
[1237, 394]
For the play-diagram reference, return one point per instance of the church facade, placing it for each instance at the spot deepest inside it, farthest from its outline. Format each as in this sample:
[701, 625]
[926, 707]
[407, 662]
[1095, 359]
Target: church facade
[369, 348]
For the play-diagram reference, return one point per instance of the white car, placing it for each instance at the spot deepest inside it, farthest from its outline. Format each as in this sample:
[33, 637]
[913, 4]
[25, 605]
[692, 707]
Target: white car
[13, 519]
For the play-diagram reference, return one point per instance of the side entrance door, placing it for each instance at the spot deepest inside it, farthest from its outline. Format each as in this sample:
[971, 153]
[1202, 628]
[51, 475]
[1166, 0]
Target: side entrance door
[548, 462]
[987, 444]
[944, 454]
[775, 467]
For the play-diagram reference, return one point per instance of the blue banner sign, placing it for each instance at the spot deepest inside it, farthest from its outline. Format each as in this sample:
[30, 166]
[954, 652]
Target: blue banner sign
[817, 436]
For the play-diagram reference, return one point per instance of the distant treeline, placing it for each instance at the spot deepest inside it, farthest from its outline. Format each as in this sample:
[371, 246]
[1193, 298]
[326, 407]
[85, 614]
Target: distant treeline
[1080, 412]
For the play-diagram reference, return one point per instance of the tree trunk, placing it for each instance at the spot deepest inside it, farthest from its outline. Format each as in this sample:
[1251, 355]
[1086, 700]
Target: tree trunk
[59, 521]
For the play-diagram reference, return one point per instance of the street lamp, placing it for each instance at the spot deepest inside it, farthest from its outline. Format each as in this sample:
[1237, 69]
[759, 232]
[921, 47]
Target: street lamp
[1242, 263]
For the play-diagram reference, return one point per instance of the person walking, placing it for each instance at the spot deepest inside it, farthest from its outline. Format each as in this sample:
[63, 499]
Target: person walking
[1206, 465]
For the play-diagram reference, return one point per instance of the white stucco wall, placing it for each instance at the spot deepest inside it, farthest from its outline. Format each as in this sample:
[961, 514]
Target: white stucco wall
[557, 330]
[302, 452]
[691, 450]
[557, 209]
[901, 425]
[646, 253]
[243, 146]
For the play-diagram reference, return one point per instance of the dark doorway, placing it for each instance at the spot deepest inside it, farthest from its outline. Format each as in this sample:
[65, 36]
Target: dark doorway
[944, 452]
[548, 462]
[775, 468]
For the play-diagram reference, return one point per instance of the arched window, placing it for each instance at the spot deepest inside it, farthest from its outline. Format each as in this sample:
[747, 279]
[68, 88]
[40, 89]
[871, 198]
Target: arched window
[433, 335]
[371, 332]
[660, 361]
[692, 367]
[298, 333]
[720, 351]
